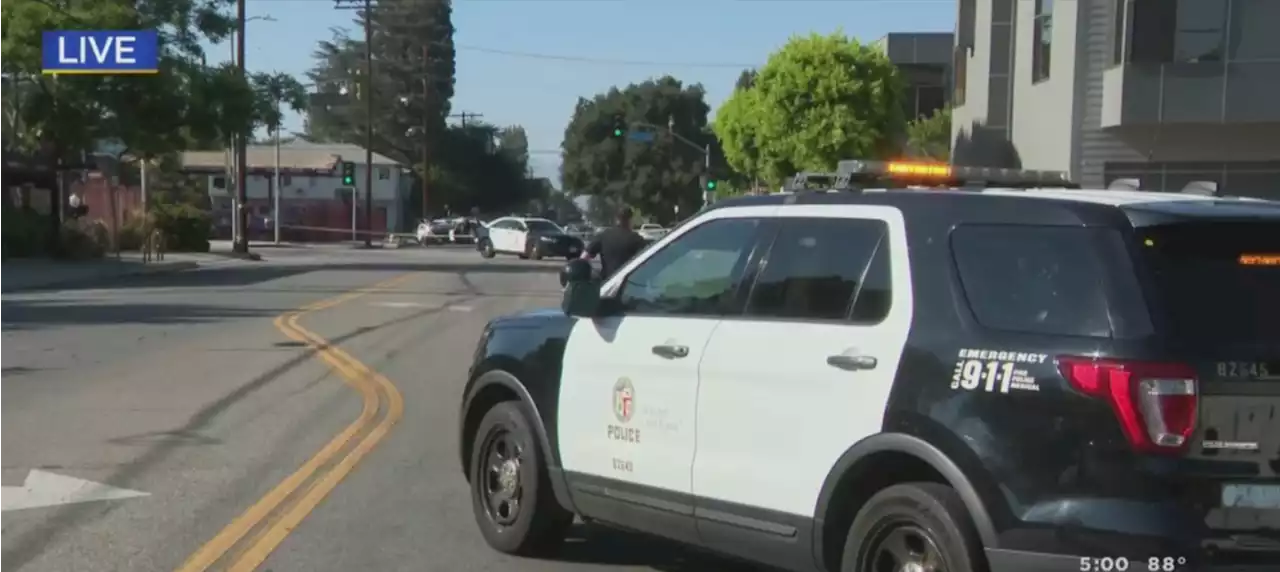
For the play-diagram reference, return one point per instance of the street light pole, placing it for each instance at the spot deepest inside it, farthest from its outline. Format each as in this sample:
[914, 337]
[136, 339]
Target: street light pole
[275, 183]
[242, 151]
[368, 124]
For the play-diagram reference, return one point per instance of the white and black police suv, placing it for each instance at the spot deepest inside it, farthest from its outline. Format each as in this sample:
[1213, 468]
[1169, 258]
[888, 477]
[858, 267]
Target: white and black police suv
[913, 368]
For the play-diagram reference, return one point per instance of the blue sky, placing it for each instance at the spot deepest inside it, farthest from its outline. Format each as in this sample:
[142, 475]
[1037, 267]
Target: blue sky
[527, 62]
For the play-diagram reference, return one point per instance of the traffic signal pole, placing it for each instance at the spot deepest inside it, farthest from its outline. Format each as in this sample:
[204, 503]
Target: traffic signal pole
[368, 124]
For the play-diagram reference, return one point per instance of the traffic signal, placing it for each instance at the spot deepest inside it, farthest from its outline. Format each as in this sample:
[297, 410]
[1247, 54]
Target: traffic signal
[348, 173]
[619, 126]
[708, 184]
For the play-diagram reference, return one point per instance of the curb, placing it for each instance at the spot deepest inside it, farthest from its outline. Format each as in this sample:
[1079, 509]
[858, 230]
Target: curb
[142, 270]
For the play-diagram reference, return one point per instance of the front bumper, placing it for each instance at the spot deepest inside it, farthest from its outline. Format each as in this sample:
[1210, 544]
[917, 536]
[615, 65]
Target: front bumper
[564, 247]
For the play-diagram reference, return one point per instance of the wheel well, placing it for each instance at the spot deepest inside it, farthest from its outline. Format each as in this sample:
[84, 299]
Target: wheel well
[863, 480]
[485, 400]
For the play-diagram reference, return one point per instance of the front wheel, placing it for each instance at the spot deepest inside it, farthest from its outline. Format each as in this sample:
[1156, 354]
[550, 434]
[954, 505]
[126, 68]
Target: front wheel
[486, 248]
[913, 526]
[512, 500]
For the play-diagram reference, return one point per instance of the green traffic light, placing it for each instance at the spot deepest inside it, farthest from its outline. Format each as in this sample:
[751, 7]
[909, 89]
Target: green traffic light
[348, 181]
[711, 185]
[617, 133]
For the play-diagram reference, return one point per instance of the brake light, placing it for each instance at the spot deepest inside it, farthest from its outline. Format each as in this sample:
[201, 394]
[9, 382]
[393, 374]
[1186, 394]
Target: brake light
[1156, 403]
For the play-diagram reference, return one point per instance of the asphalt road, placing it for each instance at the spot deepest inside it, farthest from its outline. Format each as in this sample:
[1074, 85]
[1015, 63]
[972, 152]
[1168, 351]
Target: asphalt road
[202, 392]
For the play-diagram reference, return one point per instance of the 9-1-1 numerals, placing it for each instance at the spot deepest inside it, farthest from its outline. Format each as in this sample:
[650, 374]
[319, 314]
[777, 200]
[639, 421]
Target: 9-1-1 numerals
[973, 373]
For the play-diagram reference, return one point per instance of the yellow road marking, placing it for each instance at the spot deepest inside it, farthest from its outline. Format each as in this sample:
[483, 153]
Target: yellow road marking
[360, 377]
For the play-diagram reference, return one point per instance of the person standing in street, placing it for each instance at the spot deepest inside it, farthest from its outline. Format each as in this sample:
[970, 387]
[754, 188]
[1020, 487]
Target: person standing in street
[615, 245]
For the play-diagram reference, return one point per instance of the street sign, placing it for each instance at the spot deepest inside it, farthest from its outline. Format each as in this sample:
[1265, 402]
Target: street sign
[642, 136]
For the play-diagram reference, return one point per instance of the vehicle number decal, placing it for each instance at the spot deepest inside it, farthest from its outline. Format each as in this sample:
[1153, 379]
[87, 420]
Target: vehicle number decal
[995, 371]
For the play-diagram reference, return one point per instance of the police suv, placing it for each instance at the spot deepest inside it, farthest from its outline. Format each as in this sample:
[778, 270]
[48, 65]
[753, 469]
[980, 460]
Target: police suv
[911, 368]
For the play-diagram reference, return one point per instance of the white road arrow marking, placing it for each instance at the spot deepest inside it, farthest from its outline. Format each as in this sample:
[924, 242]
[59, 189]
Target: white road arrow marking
[43, 489]
[460, 308]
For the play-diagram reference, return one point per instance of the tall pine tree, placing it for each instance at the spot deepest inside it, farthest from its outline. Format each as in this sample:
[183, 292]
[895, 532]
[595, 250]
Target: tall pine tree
[413, 79]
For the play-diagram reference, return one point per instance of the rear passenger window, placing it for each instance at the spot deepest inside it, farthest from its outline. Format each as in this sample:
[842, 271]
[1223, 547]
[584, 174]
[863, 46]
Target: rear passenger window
[816, 268]
[1042, 280]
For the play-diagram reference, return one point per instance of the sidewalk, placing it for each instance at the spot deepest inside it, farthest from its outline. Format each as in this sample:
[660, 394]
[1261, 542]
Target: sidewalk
[28, 274]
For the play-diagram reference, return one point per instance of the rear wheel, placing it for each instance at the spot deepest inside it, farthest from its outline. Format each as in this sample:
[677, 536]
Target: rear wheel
[913, 526]
[486, 248]
[512, 500]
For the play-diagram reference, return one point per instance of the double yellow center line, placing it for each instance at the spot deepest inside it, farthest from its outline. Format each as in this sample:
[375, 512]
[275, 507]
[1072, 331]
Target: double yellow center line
[247, 542]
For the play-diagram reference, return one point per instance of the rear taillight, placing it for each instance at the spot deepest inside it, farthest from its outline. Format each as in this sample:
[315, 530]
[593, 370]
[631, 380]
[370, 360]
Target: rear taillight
[1156, 403]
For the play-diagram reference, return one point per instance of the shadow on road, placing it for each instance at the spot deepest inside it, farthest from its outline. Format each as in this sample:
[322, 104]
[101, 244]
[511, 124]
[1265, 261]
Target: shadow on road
[30, 314]
[256, 273]
[594, 544]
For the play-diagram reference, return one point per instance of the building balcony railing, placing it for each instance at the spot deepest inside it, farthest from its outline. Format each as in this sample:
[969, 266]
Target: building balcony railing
[1136, 94]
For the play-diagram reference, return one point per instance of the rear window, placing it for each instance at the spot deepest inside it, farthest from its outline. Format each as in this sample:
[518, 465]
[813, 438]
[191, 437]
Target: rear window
[1034, 279]
[1216, 282]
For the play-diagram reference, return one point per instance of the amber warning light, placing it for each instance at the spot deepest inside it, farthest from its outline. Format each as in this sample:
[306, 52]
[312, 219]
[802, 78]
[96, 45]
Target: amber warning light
[1260, 259]
[919, 169]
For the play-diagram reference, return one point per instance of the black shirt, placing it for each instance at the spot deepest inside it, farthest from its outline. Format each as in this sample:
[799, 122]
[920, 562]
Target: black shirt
[615, 246]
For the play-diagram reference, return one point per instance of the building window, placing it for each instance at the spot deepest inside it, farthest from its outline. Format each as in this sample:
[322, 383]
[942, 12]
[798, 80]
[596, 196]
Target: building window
[384, 173]
[286, 179]
[1177, 31]
[1043, 38]
[959, 74]
[1253, 31]
[1201, 31]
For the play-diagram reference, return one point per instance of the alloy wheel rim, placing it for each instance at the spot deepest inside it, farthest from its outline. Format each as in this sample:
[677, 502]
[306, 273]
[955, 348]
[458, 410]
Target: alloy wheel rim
[502, 488]
[903, 547]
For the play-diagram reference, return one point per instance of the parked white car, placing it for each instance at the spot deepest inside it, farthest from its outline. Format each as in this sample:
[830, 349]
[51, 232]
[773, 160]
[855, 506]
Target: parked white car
[651, 231]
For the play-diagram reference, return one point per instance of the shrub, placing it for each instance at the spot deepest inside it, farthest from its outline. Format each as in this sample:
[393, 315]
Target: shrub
[133, 232]
[186, 228]
[26, 233]
[83, 239]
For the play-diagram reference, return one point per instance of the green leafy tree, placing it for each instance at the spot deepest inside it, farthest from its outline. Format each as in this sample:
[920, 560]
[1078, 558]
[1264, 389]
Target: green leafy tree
[414, 67]
[816, 101]
[273, 93]
[652, 177]
[514, 143]
[930, 137]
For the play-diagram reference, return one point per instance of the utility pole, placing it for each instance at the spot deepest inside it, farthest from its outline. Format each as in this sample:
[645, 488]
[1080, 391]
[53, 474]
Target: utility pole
[275, 183]
[367, 6]
[464, 115]
[241, 244]
[426, 123]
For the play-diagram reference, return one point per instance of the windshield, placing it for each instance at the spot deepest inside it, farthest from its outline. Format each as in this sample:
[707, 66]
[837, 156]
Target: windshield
[542, 226]
[1216, 282]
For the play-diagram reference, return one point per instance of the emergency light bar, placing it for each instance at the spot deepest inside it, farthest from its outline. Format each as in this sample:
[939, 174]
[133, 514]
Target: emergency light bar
[853, 175]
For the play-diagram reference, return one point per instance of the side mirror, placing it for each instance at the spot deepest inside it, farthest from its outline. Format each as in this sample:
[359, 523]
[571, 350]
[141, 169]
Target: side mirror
[576, 271]
[581, 295]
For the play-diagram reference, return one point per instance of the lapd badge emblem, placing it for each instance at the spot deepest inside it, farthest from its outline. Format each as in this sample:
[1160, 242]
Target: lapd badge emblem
[624, 400]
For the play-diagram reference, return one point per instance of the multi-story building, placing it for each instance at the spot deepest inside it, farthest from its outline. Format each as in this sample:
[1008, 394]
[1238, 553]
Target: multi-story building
[924, 60]
[1163, 91]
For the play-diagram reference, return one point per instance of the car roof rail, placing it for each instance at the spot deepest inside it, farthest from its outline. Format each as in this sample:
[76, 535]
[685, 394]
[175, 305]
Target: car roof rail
[856, 175]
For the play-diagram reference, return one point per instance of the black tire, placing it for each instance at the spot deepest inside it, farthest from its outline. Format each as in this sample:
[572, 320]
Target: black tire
[486, 248]
[929, 519]
[531, 251]
[534, 524]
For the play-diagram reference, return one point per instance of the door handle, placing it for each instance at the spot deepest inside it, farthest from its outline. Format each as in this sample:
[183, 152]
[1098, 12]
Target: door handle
[851, 363]
[670, 351]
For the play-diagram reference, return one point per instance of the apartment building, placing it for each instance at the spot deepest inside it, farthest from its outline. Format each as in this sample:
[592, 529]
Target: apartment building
[1163, 91]
[924, 60]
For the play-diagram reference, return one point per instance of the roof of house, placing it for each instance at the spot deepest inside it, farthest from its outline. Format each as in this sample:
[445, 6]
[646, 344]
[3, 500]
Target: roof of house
[292, 156]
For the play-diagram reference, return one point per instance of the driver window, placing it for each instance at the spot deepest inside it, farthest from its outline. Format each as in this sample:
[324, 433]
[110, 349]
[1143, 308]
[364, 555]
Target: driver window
[696, 274]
